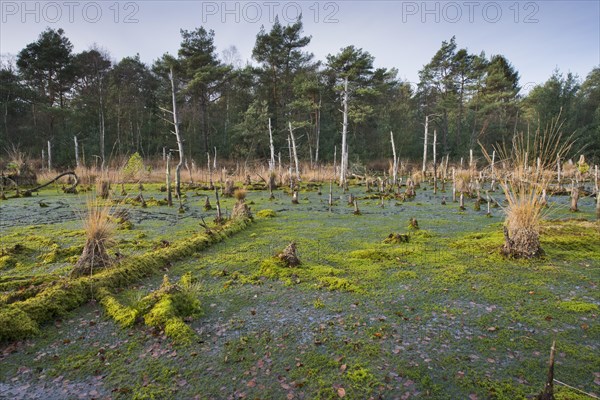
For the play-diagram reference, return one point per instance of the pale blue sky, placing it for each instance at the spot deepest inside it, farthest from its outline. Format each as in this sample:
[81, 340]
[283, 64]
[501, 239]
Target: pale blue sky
[536, 36]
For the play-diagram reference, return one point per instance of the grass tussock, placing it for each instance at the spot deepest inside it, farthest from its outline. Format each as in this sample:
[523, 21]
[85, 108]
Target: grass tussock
[99, 230]
[529, 162]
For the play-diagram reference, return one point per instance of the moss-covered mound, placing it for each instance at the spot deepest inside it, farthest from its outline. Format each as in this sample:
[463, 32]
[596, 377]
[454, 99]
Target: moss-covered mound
[22, 319]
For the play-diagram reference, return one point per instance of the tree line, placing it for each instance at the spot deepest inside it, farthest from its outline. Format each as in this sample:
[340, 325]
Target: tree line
[113, 109]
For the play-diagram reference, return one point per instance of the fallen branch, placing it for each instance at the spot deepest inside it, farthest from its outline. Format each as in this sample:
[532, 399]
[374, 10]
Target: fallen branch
[66, 190]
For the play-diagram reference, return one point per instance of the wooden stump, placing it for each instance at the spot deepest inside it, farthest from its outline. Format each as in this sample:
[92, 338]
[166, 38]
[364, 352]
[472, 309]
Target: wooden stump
[288, 256]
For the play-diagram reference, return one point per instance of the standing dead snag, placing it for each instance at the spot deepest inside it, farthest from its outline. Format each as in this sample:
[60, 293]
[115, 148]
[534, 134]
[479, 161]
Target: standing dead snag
[413, 223]
[219, 219]
[356, 210]
[548, 392]
[288, 256]
[177, 134]
[574, 198]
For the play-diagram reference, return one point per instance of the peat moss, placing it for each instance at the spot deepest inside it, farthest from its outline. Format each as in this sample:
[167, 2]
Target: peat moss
[361, 376]
[266, 213]
[163, 308]
[124, 316]
[336, 283]
[16, 324]
[578, 306]
[67, 294]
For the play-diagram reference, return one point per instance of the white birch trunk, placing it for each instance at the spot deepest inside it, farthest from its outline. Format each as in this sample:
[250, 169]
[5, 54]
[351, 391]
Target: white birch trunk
[395, 165]
[76, 152]
[178, 136]
[344, 157]
[434, 161]
[424, 169]
[294, 150]
[49, 156]
[272, 161]
[318, 133]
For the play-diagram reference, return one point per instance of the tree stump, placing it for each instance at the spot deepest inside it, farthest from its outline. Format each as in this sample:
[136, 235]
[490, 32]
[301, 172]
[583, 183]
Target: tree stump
[413, 223]
[288, 256]
[574, 199]
[522, 243]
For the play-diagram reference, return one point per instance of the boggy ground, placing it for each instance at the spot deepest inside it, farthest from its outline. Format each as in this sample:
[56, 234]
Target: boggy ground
[443, 316]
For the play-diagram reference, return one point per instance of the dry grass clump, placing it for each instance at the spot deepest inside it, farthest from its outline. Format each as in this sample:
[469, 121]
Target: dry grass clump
[18, 168]
[417, 177]
[240, 194]
[523, 216]
[99, 236]
[530, 158]
[462, 180]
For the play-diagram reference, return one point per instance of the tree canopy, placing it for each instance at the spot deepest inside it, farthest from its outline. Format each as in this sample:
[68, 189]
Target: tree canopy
[50, 93]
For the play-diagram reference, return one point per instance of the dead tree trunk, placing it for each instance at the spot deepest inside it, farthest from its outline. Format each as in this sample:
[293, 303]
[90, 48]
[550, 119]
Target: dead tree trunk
[395, 163]
[434, 161]
[272, 160]
[219, 219]
[424, 169]
[344, 156]
[558, 171]
[574, 197]
[49, 156]
[318, 122]
[548, 392]
[597, 206]
[177, 136]
[294, 151]
[168, 176]
[71, 189]
[211, 185]
[76, 152]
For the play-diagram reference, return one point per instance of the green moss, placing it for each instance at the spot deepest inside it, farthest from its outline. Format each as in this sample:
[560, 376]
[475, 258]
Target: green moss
[273, 268]
[67, 294]
[373, 254]
[563, 393]
[266, 213]
[161, 312]
[178, 331]
[335, 283]
[361, 376]
[578, 306]
[58, 253]
[7, 261]
[16, 324]
[124, 316]
[406, 275]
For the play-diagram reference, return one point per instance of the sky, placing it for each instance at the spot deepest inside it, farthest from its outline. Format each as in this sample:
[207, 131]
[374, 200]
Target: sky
[537, 37]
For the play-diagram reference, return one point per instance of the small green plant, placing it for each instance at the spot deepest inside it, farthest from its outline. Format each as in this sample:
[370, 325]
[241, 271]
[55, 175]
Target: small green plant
[318, 303]
[133, 168]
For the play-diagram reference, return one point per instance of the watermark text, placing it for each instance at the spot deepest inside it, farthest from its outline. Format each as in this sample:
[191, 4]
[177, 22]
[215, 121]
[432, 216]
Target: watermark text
[53, 12]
